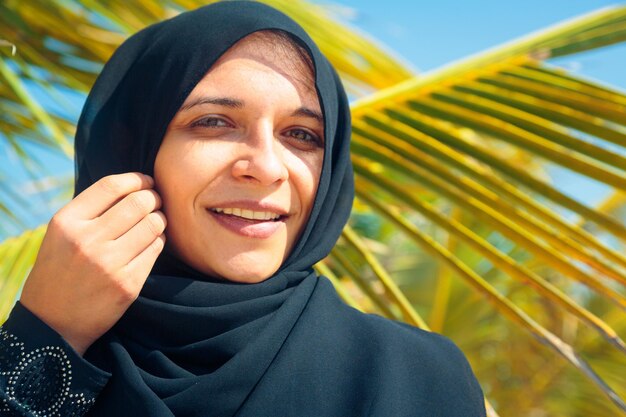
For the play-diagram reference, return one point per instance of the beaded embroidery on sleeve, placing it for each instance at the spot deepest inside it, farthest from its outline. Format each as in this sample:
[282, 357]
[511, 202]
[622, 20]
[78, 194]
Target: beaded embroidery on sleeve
[38, 382]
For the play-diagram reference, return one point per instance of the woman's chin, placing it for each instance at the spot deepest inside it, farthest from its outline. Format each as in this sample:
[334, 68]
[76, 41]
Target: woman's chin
[247, 276]
[249, 270]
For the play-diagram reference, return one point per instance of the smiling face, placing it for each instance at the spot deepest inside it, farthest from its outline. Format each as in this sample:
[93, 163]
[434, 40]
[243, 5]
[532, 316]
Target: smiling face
[239, 165]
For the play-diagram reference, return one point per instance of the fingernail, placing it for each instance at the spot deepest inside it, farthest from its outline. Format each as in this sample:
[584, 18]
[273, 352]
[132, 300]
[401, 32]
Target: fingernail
[150, 179]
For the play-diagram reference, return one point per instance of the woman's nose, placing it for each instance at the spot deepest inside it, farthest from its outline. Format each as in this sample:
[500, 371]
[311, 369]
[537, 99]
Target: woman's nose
[261, 158]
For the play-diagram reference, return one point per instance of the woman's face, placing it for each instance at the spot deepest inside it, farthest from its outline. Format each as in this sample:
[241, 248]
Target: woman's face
[239, 165]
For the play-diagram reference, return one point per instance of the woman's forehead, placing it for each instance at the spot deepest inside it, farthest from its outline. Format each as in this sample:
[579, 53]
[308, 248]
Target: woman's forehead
[257, 53]
[277, 50]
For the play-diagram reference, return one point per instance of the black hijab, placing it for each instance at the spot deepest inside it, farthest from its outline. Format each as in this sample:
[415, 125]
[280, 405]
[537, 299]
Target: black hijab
[191, 345]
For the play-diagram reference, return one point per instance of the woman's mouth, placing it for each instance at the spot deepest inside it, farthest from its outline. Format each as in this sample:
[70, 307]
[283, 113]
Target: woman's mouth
[248, 214]
[248, 223]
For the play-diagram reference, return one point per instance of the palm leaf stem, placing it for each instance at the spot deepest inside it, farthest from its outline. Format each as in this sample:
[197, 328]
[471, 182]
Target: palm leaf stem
[497, 258]
[14, 81]
[533, 43]
[559, 76]
[487, 214]
[557, 113]
[537, 126]
[444, 284]
[555, 95]
[408, 312]
[378, 300]
[431, 173]
[429, 129]
[409, 141]
[517, 137]
[611, 203]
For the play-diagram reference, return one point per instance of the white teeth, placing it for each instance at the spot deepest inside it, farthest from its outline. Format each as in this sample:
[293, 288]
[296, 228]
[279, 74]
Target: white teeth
[248, 214]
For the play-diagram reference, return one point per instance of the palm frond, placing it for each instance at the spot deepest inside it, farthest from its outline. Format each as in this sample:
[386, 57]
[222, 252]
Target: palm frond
[17, 256]
[463, 135]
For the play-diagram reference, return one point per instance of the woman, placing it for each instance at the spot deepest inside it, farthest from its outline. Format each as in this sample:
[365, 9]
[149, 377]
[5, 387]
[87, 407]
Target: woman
[244, 127]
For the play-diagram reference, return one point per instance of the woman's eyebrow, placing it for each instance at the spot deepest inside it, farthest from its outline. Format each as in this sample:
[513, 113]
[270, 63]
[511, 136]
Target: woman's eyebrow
[238, 104]
[220, 101]
[306, 112]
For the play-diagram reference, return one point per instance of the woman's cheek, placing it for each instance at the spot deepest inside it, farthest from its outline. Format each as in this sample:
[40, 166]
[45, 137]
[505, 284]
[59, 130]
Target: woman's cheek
[305, 171]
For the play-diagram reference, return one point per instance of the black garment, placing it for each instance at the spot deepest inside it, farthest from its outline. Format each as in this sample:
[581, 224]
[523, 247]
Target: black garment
[40, 374]
[192, 345]
[377, 367]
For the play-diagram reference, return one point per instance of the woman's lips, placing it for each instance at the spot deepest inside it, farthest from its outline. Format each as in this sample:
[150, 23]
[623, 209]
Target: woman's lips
[260, 229]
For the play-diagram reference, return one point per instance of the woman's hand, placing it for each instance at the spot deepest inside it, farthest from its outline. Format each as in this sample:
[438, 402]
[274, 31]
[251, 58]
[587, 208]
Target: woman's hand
[95, 257]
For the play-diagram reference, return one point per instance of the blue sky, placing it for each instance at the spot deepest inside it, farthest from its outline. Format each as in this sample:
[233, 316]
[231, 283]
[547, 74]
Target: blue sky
[431, 34]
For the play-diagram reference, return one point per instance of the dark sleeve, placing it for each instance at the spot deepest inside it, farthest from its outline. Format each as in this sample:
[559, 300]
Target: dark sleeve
[40, 373]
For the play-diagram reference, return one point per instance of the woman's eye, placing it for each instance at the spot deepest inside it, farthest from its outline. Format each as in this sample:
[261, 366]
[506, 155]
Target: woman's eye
[305, 136]
[210, 122]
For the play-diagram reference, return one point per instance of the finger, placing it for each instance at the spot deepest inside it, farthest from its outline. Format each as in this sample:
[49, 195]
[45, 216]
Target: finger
[104, 193]
[139, 267]
[127, 213]
[141, 235]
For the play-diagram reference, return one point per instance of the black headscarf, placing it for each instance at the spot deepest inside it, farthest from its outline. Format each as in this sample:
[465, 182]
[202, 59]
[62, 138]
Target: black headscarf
[191, 345]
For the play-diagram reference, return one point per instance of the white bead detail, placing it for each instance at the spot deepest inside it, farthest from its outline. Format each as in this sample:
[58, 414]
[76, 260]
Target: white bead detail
[76, 401]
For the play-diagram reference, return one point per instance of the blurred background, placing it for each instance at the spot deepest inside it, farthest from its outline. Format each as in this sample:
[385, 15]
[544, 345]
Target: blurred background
[489, 145]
